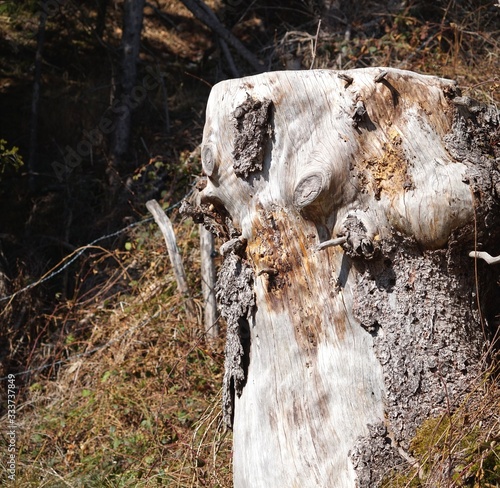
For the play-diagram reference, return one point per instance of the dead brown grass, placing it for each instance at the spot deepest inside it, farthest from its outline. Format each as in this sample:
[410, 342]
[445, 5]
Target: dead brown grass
[457, 40]
[134, 399]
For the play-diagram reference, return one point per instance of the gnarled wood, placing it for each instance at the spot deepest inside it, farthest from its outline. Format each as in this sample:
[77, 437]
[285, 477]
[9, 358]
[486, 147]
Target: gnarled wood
[348, 199]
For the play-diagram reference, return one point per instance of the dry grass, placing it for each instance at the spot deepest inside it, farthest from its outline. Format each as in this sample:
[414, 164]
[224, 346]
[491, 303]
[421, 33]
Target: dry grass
[457, 40]
[135, 397]
[460, 448]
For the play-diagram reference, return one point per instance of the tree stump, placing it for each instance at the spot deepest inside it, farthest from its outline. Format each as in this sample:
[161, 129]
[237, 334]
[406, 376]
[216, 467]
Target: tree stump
[349, 202]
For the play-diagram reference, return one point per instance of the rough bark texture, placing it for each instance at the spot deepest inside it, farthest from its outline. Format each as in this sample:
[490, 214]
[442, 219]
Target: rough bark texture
[252, 133]
[349, 294]
[428, 342]
[374, 456]
[236, 299]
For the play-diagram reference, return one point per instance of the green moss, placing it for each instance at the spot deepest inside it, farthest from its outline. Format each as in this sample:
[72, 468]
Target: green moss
[432, 432]
[400, 479]
[460, 442]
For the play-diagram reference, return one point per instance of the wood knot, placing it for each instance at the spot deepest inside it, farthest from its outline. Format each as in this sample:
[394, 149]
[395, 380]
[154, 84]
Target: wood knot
[348, 79]
[308, 190]
[207, 160]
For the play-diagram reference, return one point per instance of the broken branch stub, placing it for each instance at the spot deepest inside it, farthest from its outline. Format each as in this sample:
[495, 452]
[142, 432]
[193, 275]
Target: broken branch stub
[349, 200]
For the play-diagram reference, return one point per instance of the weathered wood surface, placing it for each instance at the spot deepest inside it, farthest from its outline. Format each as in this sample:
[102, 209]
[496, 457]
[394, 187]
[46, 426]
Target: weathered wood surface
[336, 353]
[167, 230]
[208, 277]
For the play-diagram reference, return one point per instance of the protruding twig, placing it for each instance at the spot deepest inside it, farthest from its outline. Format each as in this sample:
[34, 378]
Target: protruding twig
[463, 101]
[380, 76]
[348, 79]
[467, 103]
[484, 255]
[332, 242]
[268, 271]
[315, 44]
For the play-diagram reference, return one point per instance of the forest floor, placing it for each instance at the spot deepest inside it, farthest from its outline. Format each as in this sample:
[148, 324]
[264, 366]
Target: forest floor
[116, 386]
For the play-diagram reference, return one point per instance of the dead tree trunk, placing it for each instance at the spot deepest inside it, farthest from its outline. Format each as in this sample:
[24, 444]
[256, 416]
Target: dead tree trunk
[35, 101]
[208, 278]
[350, 202]
[102, 6]
[126, 99]
[204, 14]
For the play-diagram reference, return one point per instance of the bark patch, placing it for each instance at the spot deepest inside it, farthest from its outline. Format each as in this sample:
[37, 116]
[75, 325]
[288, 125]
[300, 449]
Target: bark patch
[252, 131]
[374, 456]
[236, 299]
[475, 140]
[426, 334]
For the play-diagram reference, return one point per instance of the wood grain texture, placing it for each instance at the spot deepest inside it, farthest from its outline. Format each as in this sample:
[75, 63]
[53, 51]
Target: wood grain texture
[208, 277]
[338, 349]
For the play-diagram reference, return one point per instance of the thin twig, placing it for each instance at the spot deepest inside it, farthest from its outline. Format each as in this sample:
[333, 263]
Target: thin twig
[332, 242]
[315, 44]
